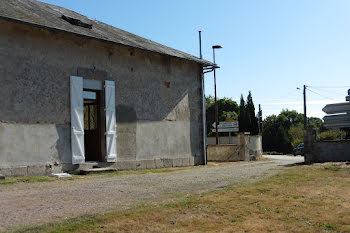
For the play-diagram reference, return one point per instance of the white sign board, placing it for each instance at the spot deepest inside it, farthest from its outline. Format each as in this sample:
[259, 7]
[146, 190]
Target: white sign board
[337, 108]
[226, 124]
[337, 118]
[337, 125]
[227, 130]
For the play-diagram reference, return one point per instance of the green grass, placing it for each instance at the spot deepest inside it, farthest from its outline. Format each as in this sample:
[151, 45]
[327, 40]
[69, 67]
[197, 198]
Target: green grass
[299, 199]
[27, 179]
[34, 179]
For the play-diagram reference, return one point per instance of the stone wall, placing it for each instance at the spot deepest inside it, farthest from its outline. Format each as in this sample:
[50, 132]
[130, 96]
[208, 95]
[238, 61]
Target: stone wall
[158, 97]
[252, 144]
[223, 140]
[316, 151]
[226, 153]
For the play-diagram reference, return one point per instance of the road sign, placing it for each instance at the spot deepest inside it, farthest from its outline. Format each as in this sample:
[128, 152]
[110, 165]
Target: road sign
[347, 98]
[337, 108]
[227, 130]
[339, 118]
[227, 124]
[337, 125]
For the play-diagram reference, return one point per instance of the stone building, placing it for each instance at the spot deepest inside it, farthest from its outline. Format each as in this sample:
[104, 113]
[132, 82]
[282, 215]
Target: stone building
[76, 93]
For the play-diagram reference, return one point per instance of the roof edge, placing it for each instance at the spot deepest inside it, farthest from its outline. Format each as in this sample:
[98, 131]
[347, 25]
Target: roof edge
[200, 61]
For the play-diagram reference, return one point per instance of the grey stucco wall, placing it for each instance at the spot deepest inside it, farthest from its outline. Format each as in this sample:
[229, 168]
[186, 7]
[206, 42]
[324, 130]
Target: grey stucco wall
[158, 98]
[316, 151]
[331, 151]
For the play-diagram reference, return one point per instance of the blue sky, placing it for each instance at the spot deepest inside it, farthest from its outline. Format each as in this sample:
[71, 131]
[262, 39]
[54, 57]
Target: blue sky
[269, 47]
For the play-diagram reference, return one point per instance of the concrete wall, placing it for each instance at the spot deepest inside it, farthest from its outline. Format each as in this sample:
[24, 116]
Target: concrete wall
[223, 140]
[316, 151]
[247, 148]
[226, 153]
[331, 151]
[158, 98]
[253, 143]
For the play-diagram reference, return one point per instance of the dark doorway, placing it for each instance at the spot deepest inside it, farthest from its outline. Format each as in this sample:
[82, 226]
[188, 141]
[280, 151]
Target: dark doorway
[92, 125]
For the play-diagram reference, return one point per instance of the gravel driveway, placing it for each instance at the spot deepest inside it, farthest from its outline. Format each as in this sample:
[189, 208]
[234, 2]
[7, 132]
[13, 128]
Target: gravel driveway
[34, 203]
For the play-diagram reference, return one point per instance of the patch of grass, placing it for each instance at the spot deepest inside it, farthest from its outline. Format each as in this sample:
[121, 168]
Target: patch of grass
[300, 199]
[27, 179]
[33, 179]
[146, 171]
[71, 225]
[8, 181]
[332, 168]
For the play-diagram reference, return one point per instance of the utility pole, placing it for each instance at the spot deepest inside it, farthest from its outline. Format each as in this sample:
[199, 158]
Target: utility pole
[305, 117]
[260, 120]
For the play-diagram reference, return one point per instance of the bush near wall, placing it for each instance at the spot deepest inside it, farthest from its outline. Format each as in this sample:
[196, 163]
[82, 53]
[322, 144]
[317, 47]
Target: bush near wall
[333, 135]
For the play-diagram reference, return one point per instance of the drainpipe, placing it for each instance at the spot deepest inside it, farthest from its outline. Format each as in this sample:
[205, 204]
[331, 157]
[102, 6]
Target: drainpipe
[204, 113]
[204, 120]
[205, 70]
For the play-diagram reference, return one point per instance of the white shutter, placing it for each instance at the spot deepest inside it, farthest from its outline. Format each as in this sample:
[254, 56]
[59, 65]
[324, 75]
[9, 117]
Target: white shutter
[111, 126]
[77, 119]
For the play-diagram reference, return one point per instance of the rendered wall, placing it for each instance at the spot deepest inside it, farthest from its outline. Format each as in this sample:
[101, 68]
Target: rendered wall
[223, 140]
[331, 151]
[226, 153]
[316, 151]
[158, 98]
[252, 142]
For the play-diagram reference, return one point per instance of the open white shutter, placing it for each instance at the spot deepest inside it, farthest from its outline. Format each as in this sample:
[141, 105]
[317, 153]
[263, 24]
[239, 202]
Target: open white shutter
[77, 119]
[111, 126]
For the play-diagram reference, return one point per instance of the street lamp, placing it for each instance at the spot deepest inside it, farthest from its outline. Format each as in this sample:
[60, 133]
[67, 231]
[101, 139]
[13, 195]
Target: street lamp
[216, 104]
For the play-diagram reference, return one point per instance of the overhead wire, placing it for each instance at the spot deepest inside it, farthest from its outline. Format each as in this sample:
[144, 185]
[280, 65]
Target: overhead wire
[329, 87]
[329, 92]
[326, 97]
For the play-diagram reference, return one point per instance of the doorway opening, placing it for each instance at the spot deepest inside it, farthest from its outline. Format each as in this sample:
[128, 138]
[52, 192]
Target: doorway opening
[92, 125]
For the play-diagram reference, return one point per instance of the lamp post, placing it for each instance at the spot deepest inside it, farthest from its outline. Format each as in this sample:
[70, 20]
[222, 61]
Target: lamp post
[216, 104]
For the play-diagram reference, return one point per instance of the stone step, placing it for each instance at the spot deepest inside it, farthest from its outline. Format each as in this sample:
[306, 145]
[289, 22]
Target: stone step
[96, 170]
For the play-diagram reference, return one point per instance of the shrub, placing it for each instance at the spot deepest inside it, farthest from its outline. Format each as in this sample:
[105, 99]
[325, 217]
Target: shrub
[332, 135]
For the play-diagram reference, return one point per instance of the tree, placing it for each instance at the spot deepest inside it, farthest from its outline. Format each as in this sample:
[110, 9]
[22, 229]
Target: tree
[242, 116]
[253, 126]
[225, 106]
[283, 132]
[296, 134]
[316, 123]
[247, 119]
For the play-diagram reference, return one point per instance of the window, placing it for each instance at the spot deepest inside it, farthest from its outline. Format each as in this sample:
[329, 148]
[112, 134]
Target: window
[90, 116]
[76, 22]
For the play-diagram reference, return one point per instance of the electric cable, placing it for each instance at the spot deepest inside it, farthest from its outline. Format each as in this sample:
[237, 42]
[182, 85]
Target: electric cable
[326, 97]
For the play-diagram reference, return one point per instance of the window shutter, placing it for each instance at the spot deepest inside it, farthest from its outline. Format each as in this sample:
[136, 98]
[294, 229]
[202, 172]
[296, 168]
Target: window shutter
[77, 119]
[111, 126]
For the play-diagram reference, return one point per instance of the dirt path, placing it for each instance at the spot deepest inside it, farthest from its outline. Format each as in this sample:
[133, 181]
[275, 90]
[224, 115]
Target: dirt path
[26, 204]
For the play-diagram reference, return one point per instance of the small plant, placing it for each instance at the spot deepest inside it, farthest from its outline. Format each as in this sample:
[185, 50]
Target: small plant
[332, 168]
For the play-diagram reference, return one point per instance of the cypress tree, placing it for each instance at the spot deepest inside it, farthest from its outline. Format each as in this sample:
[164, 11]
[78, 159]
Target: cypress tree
[242, 115]
[253, 126]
